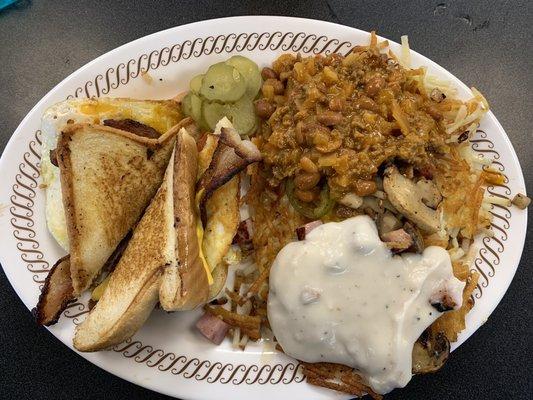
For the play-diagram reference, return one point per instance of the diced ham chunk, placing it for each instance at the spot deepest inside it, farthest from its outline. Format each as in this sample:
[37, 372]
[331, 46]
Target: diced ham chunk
[303, 230]
[212, 327]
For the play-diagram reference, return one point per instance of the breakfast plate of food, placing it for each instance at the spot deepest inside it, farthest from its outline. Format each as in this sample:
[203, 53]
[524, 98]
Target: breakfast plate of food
[262, 206]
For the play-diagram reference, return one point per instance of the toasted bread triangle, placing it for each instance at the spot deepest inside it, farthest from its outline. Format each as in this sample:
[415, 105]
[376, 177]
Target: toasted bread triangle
[133, 289]
[108, 177]
[184, 286]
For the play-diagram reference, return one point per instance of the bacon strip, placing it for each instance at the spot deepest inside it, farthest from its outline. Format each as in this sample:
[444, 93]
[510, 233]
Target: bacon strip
[57, 293]
[132, 126]
[231, 156]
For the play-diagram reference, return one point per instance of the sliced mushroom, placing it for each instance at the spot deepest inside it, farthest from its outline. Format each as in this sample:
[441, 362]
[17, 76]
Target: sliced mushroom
[431, 196]
[445, 299]
[407, 197]
[430, 352]
[418, 240]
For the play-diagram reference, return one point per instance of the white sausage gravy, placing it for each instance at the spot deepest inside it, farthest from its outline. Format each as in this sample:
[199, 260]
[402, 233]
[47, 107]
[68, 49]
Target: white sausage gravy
[341, 296]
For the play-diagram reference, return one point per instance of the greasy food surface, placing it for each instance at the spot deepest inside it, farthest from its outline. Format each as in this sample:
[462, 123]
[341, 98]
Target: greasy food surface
[366, 134]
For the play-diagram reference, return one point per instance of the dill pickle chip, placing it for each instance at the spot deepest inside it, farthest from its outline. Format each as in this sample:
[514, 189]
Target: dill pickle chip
[241, 114]
[186, 105]
[196, 83]
[250, 71]
[196, 107]
[213, 112]
[224, 83]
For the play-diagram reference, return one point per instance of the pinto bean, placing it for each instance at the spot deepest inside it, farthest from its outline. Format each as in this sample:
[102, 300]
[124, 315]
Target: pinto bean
[329, 118]
[306, 180]
[264, 109]
[374, 85]
[307, 165]
[278, 86]
[336, 104]
[268, 73]
[306, 196]
[364, 187]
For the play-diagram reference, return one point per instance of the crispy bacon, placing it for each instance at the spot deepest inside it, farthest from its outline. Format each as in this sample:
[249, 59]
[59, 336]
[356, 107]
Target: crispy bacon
[57, 293]
[133, 126]
[53, 157]
[231, 156]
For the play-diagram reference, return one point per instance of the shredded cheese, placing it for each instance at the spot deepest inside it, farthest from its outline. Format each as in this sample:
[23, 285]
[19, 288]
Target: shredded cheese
[405, 57]
[200, 235]
[498, 200]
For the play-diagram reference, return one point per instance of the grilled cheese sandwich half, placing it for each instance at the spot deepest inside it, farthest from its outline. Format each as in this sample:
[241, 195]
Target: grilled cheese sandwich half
[159, 115]
[108, 177]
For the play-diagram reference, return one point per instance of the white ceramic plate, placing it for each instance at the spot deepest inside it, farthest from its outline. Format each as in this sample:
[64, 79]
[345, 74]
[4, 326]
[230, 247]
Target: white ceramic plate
[167, 355]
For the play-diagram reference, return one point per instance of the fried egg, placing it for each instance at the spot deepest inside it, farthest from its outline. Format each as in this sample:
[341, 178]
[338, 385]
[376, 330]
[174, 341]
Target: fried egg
[158, 114]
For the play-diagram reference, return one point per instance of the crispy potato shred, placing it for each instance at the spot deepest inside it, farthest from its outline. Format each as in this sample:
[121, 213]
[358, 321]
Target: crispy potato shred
[248, 324]
[337, 377]
[463, 192]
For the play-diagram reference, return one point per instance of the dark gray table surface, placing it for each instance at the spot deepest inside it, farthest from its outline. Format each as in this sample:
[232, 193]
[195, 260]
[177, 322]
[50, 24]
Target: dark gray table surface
[484, 43]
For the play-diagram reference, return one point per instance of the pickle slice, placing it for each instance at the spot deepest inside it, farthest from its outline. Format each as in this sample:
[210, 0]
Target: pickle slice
[222, 82]
[250, 71]
[196, 83]
[192, 106]
[186, 105]
[240, 113]
[196, 107]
